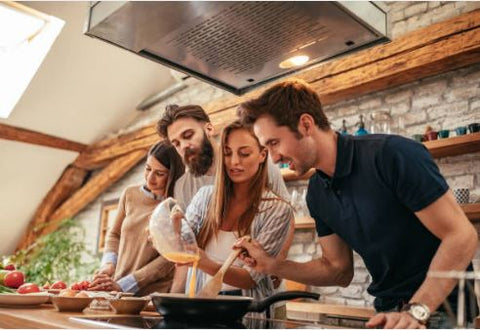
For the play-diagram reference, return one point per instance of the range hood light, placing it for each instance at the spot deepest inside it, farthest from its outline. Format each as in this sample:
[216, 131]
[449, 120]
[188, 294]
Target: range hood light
[294, 61]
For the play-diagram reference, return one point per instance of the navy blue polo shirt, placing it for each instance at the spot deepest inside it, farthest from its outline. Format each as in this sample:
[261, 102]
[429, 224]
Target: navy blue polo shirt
[378, 184]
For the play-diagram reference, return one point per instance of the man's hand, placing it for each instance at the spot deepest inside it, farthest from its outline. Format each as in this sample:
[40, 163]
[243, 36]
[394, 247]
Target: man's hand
[394, 320]
[256, 256]
[103, 282]
[107, 269]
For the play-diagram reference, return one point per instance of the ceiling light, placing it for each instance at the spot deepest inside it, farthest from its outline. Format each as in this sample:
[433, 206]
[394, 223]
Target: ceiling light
[294, 61]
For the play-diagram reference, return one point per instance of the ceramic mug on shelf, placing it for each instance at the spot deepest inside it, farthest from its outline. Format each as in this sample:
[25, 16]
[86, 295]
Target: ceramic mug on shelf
[443, 134]
[474, 127]
[432, 135]
[418, 137]
[462, 130]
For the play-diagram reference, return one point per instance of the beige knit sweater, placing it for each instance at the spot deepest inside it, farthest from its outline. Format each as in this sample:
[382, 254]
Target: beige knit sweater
[128, 239]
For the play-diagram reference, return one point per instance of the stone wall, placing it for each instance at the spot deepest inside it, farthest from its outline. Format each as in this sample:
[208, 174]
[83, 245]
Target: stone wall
[443, 101]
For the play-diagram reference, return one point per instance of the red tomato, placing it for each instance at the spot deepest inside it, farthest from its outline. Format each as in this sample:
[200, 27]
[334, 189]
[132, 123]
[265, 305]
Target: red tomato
[84, 285]
[9, 267]
[14, 279]
[28, 288]
[75, 286]
[58, 285]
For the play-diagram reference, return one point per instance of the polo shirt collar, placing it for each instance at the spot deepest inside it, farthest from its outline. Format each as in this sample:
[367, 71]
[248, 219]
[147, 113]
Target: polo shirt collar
[343, 163]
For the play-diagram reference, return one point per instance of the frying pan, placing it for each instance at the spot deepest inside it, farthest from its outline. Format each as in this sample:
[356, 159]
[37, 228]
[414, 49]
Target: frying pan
[222, 308]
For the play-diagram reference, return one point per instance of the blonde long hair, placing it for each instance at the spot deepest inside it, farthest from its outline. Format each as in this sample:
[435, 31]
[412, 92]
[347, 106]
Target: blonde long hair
[223, 192]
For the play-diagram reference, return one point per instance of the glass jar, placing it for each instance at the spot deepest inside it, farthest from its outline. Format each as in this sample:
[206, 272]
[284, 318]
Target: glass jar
[380, 122]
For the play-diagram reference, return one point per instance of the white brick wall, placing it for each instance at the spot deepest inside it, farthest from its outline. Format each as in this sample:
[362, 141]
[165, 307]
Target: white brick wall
[408, 16]
[445, 101]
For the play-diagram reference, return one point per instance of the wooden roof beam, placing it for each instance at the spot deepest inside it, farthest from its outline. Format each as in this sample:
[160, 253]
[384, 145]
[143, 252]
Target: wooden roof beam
[93, 188]
[13, 133]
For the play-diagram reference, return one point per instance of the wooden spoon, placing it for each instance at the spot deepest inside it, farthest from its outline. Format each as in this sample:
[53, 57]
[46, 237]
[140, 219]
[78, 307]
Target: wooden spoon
[213, 287]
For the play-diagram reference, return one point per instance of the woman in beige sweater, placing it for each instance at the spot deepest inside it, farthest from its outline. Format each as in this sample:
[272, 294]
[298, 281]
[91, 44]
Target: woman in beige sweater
[130, 263]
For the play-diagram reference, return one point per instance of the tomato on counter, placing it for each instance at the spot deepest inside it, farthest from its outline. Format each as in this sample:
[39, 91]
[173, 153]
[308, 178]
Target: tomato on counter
[28, 288]
[83, 285]
[14, 279]
[58, 285]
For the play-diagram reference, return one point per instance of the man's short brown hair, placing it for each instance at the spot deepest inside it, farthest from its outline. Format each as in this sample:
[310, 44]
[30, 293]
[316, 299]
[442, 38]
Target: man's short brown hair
[285, 102]
[174, 112]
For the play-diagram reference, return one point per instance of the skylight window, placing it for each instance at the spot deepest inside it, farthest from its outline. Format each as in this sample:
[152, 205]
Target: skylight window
[26, 36]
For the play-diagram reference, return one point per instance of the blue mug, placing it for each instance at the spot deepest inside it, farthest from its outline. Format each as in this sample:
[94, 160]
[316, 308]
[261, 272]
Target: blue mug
[443, 134]
[462, 130]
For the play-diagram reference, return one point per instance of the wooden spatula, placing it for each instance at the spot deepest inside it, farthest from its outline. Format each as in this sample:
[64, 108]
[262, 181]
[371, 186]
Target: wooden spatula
[213, 287]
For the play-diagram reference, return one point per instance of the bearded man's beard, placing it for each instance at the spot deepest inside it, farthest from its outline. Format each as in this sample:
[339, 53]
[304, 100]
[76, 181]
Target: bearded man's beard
[202, 159]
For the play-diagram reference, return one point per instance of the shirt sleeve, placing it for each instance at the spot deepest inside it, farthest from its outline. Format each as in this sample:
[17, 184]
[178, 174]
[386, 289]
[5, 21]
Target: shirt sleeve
[412, 174]
[270, 229]
[113, 237]
[152, 272]
[128, 284]
[322, 228]
[276, 182]
[197, 209]
[109, 257]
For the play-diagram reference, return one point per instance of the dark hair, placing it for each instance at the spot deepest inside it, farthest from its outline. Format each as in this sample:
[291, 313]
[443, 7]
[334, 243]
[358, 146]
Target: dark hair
[285, 102]
[174, 112]
[165, 153]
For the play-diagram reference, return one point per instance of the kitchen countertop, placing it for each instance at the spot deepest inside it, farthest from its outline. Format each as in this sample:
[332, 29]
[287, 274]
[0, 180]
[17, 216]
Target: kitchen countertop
[45, 316]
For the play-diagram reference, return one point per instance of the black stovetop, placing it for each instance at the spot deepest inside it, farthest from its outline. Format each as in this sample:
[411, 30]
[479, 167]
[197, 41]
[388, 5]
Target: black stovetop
[157, 322]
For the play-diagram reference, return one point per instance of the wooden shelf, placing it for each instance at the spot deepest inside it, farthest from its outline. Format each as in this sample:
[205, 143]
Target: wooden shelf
[453, 146]
[472, 211]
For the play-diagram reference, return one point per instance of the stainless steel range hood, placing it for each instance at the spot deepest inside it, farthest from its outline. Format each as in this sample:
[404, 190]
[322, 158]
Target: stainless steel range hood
[238, 46]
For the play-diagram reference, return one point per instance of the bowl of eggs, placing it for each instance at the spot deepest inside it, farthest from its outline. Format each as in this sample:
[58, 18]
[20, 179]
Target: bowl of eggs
[71, 301]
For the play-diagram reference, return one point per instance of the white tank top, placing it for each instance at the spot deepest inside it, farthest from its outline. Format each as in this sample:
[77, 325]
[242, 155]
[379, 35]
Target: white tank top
[218, 249]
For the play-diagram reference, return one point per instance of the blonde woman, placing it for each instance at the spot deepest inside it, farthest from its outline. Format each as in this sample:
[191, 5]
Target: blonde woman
[238, 204]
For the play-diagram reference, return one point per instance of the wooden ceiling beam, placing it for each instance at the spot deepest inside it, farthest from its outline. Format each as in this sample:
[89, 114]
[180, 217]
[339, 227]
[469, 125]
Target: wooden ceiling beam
[18, 134]
[93, 188]
[448, 54]
[99, 154]
[71, 180]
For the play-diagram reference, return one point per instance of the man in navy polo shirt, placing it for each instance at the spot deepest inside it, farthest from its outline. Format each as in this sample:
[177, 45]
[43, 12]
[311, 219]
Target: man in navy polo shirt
[380, 195]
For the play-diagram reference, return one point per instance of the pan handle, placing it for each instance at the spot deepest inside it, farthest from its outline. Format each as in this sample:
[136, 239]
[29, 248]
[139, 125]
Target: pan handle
[260, 306]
